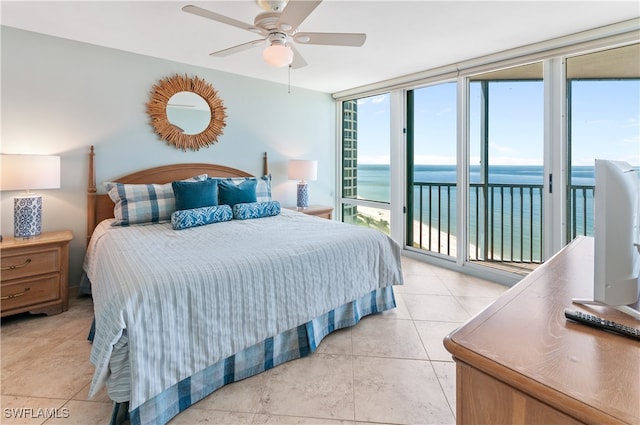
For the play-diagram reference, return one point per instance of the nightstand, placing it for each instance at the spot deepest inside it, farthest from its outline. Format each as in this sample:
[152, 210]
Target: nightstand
[321, 211]
[35, 274]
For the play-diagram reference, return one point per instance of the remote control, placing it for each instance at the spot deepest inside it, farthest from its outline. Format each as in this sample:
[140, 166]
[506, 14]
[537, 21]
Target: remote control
[599, 322]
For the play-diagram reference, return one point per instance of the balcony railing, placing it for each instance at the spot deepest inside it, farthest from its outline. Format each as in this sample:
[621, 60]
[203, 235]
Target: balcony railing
[581, 210]
[505, 220]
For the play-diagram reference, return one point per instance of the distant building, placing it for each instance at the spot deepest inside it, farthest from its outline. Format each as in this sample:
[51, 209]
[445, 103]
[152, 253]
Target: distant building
[349, 158]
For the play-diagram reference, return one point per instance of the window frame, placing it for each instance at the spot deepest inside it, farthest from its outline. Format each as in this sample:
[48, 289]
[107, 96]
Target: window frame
[552, 53]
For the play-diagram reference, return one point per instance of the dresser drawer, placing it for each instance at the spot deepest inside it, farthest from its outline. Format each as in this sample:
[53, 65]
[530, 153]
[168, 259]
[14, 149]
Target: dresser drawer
[34, 262]
[28, 291]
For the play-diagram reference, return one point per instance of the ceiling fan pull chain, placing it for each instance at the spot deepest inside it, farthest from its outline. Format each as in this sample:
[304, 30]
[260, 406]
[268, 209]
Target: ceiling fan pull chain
[289, 87]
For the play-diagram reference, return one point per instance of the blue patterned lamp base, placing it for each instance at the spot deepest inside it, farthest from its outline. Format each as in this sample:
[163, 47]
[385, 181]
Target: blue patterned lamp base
[303, 195]
[27, 216]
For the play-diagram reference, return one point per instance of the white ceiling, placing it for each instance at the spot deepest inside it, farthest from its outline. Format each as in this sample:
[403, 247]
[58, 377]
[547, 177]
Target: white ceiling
[403, 37]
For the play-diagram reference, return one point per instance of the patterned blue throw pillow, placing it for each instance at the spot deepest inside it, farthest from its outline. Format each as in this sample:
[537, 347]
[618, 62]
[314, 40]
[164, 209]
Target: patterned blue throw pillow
[256, 210]
[183, 219]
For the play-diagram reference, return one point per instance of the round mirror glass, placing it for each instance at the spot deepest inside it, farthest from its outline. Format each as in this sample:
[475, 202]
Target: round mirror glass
[188, 112]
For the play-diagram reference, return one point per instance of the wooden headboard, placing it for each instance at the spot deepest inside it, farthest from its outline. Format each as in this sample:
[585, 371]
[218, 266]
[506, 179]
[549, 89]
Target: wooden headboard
[100, 207]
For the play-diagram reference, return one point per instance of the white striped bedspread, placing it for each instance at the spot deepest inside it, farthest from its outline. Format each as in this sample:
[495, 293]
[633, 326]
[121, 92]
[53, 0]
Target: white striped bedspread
[193, 297]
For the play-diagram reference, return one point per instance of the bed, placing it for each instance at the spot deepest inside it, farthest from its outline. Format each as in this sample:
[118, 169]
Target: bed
[180, 313]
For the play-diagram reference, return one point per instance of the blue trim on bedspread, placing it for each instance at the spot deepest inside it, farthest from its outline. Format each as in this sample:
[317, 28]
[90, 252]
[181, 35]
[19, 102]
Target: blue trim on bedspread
[286, 346]
[85, 284]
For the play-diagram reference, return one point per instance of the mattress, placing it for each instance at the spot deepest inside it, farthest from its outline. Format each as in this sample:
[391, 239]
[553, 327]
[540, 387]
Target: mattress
[205, 294]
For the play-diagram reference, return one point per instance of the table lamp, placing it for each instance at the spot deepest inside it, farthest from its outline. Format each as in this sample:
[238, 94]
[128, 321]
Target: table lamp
[303, 170]
[27, 172]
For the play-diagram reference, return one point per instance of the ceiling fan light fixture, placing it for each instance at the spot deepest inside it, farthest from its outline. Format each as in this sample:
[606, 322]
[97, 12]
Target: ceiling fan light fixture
[278, 55]
[272, 5]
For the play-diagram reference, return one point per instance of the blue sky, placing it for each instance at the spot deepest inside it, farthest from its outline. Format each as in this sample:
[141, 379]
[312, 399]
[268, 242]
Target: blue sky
[605, 123]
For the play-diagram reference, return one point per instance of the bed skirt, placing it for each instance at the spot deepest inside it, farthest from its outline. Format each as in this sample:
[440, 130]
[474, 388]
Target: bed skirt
[289, 345]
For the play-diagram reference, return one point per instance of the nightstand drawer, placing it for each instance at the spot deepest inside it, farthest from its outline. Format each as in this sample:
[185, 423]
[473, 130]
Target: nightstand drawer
[29, 264]
[24, 292]
[35, 273]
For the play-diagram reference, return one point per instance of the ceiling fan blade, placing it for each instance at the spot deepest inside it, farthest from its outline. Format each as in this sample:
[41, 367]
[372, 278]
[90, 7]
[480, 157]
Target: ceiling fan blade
[331, 38]
[238, 48]
[195, 10]
[295, 12]
[298, 60]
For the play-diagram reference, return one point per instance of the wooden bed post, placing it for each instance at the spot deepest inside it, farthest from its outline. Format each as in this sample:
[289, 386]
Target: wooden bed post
[91, 197]
[265, 165]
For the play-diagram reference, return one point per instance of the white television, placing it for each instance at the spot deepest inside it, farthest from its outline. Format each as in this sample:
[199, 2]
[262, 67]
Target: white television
[616, 236]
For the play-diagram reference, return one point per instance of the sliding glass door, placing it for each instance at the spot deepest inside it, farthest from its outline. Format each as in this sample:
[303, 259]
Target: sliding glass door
[604, 111]
[497, 165]
[506, 183]
[432, 169]
[505, 191]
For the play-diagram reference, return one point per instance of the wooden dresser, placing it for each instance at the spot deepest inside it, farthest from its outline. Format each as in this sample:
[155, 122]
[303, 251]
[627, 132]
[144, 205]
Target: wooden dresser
[521, 362]
[35, 273]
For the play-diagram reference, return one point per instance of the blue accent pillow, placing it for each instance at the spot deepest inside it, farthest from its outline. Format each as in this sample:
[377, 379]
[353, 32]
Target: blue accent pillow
[256, 210]
[230, 193]
[190, 195]
[184, 219]
[263, 185]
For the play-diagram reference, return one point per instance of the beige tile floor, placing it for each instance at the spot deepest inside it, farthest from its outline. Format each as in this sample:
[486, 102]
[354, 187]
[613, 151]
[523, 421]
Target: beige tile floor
[389, 369]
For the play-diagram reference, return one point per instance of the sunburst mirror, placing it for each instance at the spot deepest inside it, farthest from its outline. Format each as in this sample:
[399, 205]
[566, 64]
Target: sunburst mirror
[186, 112]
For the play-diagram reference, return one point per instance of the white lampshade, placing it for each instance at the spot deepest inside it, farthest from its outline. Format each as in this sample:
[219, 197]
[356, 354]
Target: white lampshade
[303, 169]
[27, 172]
[278, 55]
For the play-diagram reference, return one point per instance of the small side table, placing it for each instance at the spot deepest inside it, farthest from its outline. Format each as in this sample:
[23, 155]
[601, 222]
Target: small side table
[321, 211]
[35, 273]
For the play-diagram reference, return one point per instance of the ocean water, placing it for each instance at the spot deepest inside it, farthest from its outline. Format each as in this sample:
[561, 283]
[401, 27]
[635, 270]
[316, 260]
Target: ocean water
[514, 223]
[373, 179]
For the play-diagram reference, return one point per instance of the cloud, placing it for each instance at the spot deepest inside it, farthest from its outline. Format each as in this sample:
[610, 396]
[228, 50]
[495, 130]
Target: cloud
[450, 160]
[374, 159]
[632, 122]
[632, 140]
[634, 160]
[510, 160]
[502, 149]
[373, 99]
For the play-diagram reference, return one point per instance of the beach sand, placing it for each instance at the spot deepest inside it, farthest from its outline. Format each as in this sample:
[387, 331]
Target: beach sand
[380, 214]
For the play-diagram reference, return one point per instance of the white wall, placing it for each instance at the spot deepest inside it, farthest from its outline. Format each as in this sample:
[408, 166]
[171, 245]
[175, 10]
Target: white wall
[61, 96]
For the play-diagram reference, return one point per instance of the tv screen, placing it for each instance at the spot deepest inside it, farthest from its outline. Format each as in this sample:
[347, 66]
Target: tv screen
[616, 237]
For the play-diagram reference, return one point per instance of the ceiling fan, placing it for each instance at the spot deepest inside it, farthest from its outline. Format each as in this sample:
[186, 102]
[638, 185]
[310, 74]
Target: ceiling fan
[278, 26]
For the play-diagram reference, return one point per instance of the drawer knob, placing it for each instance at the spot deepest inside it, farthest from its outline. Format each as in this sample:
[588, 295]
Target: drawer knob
[19, 294]
[16, 266]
